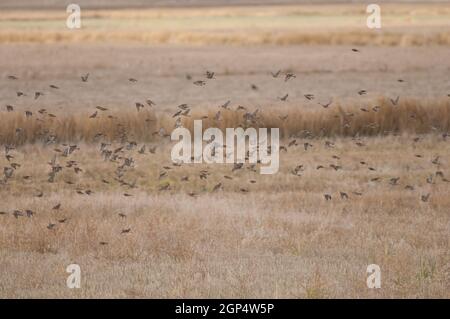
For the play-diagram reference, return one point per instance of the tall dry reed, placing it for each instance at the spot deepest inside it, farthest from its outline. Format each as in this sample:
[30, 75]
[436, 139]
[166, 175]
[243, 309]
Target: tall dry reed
[382, 117]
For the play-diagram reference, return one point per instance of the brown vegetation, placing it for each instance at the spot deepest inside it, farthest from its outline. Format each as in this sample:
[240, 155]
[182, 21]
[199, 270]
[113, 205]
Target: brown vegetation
[281, 239]
[403, 25]
[381, 117]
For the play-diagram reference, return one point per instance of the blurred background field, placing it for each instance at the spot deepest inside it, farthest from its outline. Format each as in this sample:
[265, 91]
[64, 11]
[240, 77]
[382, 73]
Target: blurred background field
[403, 24]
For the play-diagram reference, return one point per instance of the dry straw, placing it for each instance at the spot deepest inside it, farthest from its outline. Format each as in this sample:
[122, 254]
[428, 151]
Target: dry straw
[381, 118]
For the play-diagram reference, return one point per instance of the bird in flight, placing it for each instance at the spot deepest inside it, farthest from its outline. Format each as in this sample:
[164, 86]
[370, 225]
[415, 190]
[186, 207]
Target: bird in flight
[289, 76]
[276, 74]
[326, 105]
[85, 77]
[199, 83]
[395, 102]
[226, 104]
[139, 106]
[343, 195]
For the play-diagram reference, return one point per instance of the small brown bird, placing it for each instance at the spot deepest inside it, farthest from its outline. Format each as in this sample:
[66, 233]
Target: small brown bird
[425, 198]
[327, 196]
[289, 76]
[362, 92]
[226, 104]
[85, 77]
[217, 187]
[394, 181]
[343, 195]
[139, 106]
[237, 166]
[17, 213]
[8, 172]
[326, 105]
[284, 98]
[395, 102]
[126, 231]
[200, 83]
[307, 145]
[276, 74]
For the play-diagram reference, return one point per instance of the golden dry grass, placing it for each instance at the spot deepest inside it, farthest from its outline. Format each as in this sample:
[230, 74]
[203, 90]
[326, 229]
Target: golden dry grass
[281, 239]
[403, 25]
[233, 38]
[408, 116]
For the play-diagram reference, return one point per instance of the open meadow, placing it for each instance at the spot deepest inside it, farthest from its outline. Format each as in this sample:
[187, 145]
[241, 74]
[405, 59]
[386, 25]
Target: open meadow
[87, 175]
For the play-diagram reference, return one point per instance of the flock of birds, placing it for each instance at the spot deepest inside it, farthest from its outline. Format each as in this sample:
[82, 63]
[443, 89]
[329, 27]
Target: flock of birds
[121, 153]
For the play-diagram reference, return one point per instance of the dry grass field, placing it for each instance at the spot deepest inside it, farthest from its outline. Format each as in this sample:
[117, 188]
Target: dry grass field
[87, 176]
[279, 239]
